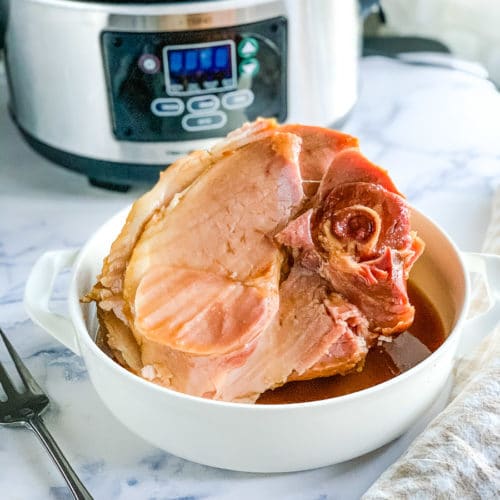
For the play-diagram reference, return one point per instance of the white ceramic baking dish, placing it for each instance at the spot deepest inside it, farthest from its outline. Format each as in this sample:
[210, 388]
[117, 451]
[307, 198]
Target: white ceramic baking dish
[269, 438]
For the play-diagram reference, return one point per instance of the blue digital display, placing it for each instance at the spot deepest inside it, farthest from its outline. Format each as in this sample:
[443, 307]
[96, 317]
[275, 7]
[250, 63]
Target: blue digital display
[221, 57]
[190, 61]
[208, 66]
[176, 62]
[206, 58]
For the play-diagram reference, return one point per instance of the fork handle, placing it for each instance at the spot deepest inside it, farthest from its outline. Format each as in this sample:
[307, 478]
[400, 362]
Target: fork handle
[77, 488]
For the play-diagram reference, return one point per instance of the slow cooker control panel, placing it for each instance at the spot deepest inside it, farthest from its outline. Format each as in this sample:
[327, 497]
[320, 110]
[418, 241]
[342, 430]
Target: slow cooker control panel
[181, 86]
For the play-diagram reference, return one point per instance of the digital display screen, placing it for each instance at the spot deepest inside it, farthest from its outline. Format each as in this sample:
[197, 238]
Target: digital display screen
[200, 68]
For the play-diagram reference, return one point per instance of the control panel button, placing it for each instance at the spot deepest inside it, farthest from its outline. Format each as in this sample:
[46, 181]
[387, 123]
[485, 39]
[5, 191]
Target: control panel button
[203, 104]
[249, 67]
[228, 83]
[149, 64]
[175, 88]
[210, 84]
[238, 99]
[167, 106]
[248, 47]
[193, 87]
[195, 123]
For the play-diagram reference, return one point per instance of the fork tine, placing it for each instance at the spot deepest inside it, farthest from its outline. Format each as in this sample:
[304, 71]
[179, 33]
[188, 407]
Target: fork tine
[24, 373]
[6, 382]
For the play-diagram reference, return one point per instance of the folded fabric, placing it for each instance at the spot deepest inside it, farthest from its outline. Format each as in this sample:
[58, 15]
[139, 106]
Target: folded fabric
[458, 454]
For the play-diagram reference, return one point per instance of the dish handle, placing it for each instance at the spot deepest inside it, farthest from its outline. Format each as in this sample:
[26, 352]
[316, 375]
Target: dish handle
[478, 327]
[38, 292]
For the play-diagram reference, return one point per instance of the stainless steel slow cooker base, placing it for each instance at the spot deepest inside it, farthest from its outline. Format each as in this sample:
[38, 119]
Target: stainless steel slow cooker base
[100, 173]
[110, 175]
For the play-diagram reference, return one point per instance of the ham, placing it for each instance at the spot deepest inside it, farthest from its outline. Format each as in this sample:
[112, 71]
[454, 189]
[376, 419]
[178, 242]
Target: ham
[280, 254]
[319, 148]
[232, 265]
[359, 239]
[349, 165]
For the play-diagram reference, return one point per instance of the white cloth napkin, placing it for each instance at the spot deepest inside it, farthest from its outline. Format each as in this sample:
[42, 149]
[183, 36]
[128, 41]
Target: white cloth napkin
[458, 455]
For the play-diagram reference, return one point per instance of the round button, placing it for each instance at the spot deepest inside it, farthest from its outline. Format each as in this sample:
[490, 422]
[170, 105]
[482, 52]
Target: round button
[149, 63]
[249, 67]
[248, 47]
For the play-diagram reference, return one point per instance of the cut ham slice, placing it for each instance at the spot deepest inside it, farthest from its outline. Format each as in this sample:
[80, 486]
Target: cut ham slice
[173, 181]
[226, 315]
[319, 149]
[232, 264]
[349, 166]
[278, 255]
[310, 322]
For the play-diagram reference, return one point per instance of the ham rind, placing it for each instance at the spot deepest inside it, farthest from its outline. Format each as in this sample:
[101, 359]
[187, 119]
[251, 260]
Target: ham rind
[116, 338]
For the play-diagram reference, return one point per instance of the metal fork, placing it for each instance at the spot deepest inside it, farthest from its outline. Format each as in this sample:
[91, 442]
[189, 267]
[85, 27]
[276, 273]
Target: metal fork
[24, 408]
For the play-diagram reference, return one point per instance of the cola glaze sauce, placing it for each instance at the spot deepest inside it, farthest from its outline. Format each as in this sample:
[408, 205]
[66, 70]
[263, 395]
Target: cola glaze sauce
[384, 361]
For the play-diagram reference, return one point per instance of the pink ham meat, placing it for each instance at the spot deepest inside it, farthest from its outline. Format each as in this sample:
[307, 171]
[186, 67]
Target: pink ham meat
[359, 239]
[320, 146]
[311, 325]
[280, 254]
[232, 265]
[108, 291]
[349, 165]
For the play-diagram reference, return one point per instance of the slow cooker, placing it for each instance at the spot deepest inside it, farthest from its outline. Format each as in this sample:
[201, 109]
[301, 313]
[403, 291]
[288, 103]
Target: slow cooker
[118, 90]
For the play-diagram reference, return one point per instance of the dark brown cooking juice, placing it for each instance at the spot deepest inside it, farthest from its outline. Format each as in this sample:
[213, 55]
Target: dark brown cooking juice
[383, 362]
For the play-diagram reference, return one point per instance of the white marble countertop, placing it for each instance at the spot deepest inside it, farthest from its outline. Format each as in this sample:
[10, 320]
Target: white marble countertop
[435, 130]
